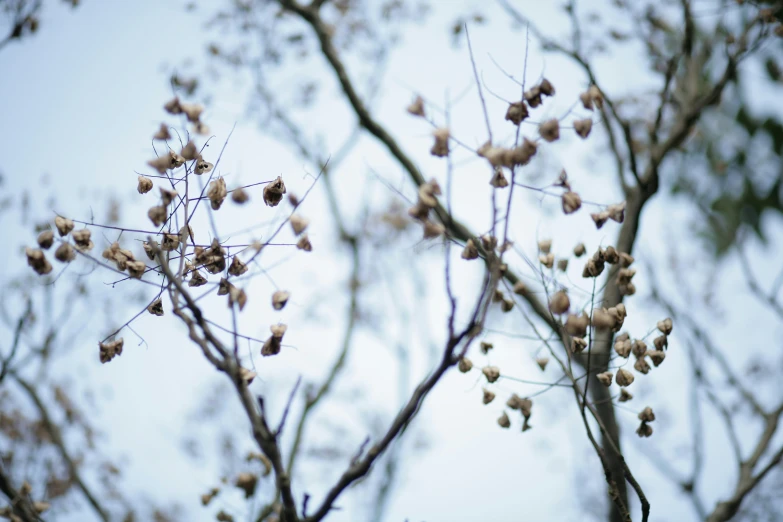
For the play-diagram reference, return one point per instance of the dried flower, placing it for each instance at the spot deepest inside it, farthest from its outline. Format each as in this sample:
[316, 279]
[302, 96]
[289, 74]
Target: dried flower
[298, 223]
[661, 342]
[237, 296]
[82, 239]
[644, 430]
[237, 267]
[546, 88]
[247, 483]
[156, 307]
[559, 303]
[203, 167]
[610, 255]
[639, 348]
[498, 179]
[656, 356]
[587, 102]
[192, 111]
[579, 250]
[583, 127]
[464, 365]
[170, 242]
[145, 185]
[196, 279]
[167, 196]
[571, 202]
[533, 96]
[624, 377]
[641, 366]
[37, 260]
[646, 415]
[63, 225]
[189, 151]
[517, 112]
[441, 146]
[605, 378]
[212, 258]
[416, 108]
[625, 395]
[173, 106]
[550, 130]
[492, 373]
[280, 299]
[603, 320]
[623, 347]
[304, 244]
[163, 133]
[616, 212]
[488, 396]
[122, 256]
[504, 421]
[110, 350]
[217, 193]
[576, 325]
[239, 196]
[273, 343]
[600, 218]
[578, 344]
[46, 239]
[595, 96]
[665, 326]
[470, 251]
[136, 269]
[273, 192]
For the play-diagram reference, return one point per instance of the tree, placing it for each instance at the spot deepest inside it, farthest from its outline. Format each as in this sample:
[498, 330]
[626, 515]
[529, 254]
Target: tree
[581, 330]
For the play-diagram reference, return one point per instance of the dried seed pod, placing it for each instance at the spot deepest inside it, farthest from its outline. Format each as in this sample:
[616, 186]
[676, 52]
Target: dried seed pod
[157, 215]
[246, 482]
[517, 112]
[603, 320]
[514, 402]
[145, 185]
[550, 130]
[224, 286]
[665, 326]
[173, 106]
[504, 421]
[273, 192]
[222, 516]
[547, 260]
[639, 348]
[605, 378]
[433, 230]
[63, 225]
[156, 307]
[163, 133]
[82, 240]
[203, 167]
[237, 296]
[298, 223]
[546, 88]
[498, 179]
[624, 276]
[441, 146]
[497, 296]
[239, 196]
[661, 342]
[120, 256]
[617, 212]
[586, 100]
[273, 343]
[206, 498]
[304, 244]
[656, 356]
[578, 344]
[562, 264]
[237, 267]
[626, 260]
[583, 127]
[623, 348]
[625, 395]
[280, 299]
[507, 304]
[136, 269]
[579, 250]
[170, 242]
[594, 267]
[520, 288]
[595, 96]
[641, 366]
[40, 506]
[189, 151]
[489, 242]
[610, 255]
[167, 196]
[600, 218]
[110, 350]
[37, 260]
[533, 96]
[488, 396]
[647, 415]
[624, 377]
[192, 111]
[571, 202]
[559, 303]
[416, 107]
[428, 193]
[293, 200]
[464, 365]
[576, 325]
[545, 246]
[196, 279]
[492, 373]
[644, 430]
[46, 239]
[217, 193]
[542, 362]
[485, 347]
[470, 251]
[522, 155]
